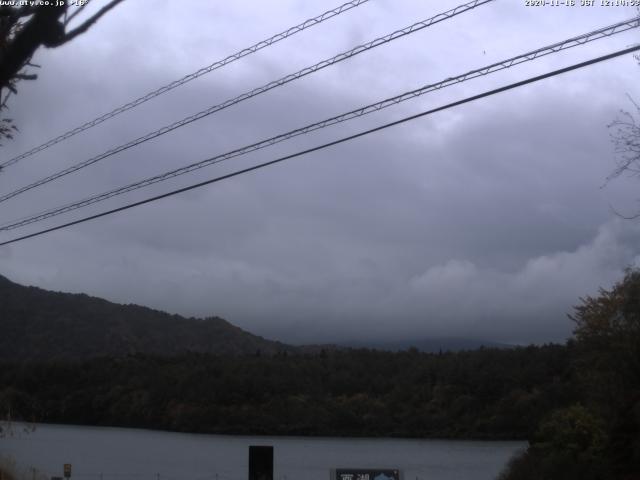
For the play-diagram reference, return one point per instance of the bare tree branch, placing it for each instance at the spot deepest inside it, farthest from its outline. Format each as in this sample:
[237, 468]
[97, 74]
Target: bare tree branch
[625, 136]
[90, 21]
[25, 29]
[26, 76]
[626, 140]
[76, 12]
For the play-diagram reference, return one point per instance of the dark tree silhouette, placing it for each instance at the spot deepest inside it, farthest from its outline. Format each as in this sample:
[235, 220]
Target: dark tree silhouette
[597, 438]
[24, 29]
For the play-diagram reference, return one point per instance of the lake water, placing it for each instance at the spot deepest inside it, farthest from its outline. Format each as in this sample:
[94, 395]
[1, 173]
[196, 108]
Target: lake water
[117, 454]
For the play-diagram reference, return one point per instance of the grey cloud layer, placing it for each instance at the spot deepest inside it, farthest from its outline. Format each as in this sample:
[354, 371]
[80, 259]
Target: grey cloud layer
[485, 221]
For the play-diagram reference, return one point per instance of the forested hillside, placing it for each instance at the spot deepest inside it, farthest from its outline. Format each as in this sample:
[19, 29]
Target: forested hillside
[39, 324]
[577, 404]
[487, 393]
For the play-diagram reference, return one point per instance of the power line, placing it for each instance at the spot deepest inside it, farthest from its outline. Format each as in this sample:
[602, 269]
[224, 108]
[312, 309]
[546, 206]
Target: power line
[332, 143]
[192, 76]
[257, 91]
[525, 57]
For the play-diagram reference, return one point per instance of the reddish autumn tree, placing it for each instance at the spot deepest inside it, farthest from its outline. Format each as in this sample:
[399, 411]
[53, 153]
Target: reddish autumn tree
[608, 335]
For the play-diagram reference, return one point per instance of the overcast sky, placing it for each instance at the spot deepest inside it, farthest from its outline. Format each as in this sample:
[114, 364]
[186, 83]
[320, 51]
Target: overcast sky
[488, 220]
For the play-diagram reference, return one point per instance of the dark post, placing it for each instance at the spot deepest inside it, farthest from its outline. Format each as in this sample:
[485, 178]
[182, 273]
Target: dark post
[260, 462]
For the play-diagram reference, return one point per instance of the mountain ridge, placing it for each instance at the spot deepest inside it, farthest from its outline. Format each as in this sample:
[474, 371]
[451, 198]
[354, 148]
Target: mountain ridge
[39, 324]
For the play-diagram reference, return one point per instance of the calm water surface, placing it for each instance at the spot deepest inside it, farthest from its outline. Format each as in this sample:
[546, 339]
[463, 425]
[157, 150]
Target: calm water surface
[117, 454]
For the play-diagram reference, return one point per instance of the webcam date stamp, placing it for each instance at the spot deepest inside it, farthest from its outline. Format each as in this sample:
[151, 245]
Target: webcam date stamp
[45, 3]
[582, 3]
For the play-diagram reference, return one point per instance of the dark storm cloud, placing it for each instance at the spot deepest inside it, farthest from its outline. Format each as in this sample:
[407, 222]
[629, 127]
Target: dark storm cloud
[484, 221]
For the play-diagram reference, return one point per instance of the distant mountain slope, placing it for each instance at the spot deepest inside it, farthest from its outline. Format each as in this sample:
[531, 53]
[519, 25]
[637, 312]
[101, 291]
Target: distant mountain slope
[38, 324]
